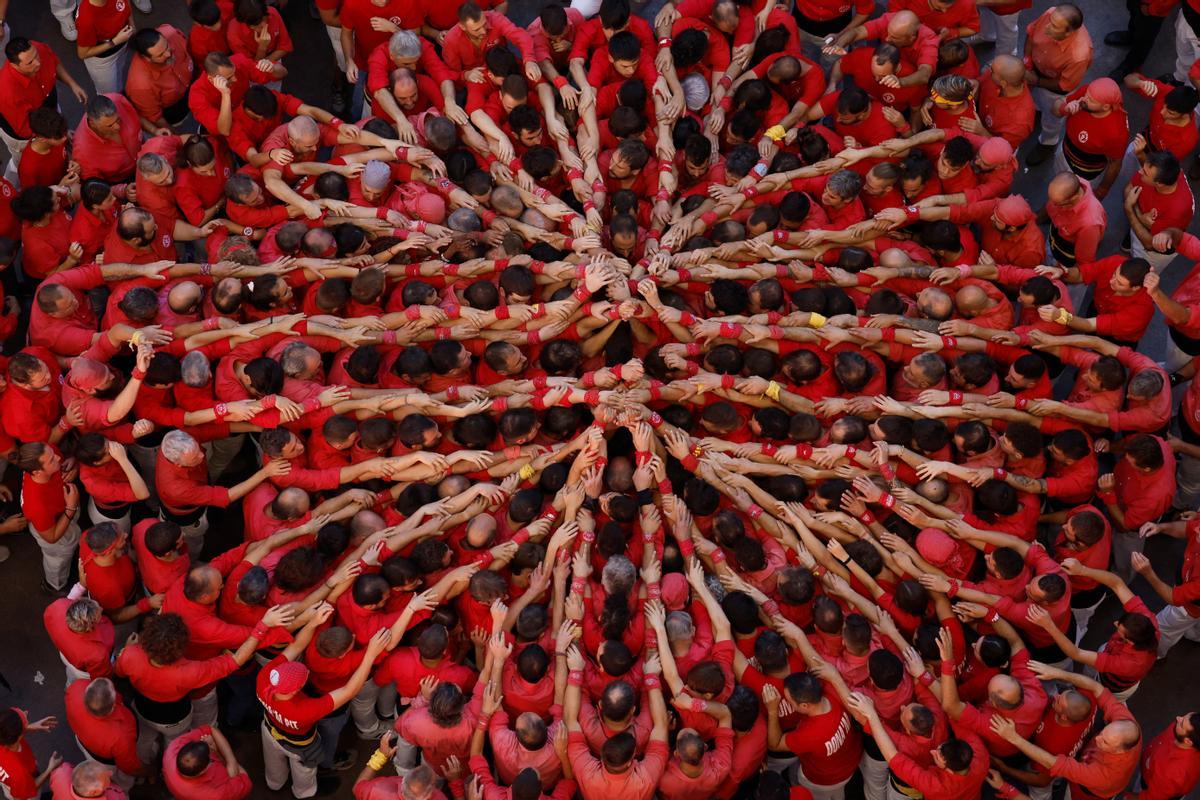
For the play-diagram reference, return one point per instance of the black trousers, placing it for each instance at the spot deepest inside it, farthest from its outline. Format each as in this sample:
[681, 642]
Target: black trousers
[1143, 30]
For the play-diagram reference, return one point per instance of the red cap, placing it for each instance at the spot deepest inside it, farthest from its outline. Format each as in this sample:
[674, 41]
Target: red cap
[935, 546]
[674, 591]
[1014, 210]
[288, 678]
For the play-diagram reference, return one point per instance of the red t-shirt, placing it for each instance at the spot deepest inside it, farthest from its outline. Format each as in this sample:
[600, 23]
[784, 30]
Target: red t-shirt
[98, 23]
[295, 717]
[829, 745]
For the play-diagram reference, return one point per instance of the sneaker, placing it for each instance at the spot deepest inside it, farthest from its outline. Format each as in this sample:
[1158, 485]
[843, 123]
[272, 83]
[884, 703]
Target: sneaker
[68, 29]
[4, 553]
[1118, 39]
[143, 6]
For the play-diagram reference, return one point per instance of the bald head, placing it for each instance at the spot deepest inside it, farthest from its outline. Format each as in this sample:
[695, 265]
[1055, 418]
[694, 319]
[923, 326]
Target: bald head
[1063, 187]
[183, 297]
[203, 584]
[507, 201]
[1004, 692]
[1076, 706]
[292, 503]
[902, 25]
[531, 731]
[970, 300]
[1009, 69]
[935, 304]
[303, 129]
[894, 258]
[481, 529]
[364, 524]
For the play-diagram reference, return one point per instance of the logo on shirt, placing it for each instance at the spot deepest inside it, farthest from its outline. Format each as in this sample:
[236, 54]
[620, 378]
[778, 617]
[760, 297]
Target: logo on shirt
[1083, 136]
[166, 240]
[839, 736]
[6, 190]
[396, 21]
[889, 98]
[120, 5]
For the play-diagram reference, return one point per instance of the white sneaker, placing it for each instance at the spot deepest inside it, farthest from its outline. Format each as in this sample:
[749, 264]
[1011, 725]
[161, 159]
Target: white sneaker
[68, 29]
[143, 6]
[5, 553]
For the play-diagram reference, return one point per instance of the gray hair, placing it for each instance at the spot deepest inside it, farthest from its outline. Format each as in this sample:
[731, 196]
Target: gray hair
[404, 45]
[100, 107]
[152, 164]
[177, 444]
[845, 183]
[90, 779]
[293, 359]
[83, 614]
[195, 369]
[618, 575]
[695, 91]
[679, 626]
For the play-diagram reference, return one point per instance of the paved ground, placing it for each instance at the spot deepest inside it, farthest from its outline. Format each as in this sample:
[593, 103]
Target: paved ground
[31, 665]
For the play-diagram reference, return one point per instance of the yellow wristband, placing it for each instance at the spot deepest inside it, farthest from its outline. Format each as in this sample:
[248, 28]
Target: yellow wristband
[772, 390]
[776, 132]
[526, 472]
[1064, 317]
[816, 320]
[378, 761]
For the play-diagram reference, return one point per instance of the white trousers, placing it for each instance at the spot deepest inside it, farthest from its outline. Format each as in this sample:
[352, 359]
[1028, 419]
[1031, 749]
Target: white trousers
[57, 557]
[149, 733]
[335, 39]
[98, 515]
[875, 777]
[1174, 624]
[73, 672]
[108, 73]
[1187, 48]
[1002, 30]
[279, 763]
[64, 10]
[1052, 124]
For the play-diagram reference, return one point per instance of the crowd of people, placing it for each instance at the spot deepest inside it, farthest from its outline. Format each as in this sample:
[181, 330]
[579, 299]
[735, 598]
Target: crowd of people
[627, 405]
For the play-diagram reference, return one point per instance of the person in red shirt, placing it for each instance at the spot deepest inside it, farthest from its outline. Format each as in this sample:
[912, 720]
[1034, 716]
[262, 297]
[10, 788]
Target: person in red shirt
[222, 87]
[257, 32]
[18, 766]
[45, 232]
[27, 81]
[1106, 764]
[83, 635]
[960, 764]
[291, 741]
[44, 162]
[90, 779]
[108, 138]
[160, 74]
[1172, 124]
[201, 765]
[620, 774]
[1171, 761]
[50, 503]
[105, 727]
[368, 24]
[181, 479]
[918, 43]
[1006, 107]
[163, 679]
[105, 26]
[1077, 219]
[1097, 131]
[1157, 198]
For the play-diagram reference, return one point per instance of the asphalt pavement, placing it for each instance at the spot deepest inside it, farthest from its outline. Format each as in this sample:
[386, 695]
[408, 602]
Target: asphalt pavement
[30, 664]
